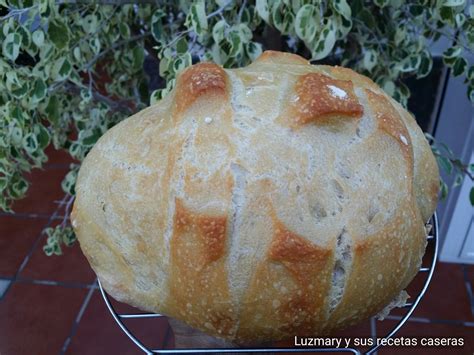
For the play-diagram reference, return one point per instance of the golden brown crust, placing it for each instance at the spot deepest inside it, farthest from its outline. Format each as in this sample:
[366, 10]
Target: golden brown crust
[310, 266]
[197, 282]
[295, 279]
[259, 203]
[289, 247]
[199, 81]
[426, 172]
[390, 122]
[281, 58]
[319, 97]
[369, 289]
[211, 231]
[349, 74]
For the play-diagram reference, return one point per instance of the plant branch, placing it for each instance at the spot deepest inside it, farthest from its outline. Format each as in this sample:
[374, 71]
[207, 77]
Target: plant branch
[241, 11]
[87, 67]
[180, 35]
[115, 105]
[67, 211]
[450, 37]
[220, 10]
[464, 168]
[115, 46]
[17, 12]
[103, 23]
[376, 38]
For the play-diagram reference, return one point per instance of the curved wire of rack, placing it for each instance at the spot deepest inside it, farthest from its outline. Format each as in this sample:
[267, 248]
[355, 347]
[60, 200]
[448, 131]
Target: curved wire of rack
[432, 238]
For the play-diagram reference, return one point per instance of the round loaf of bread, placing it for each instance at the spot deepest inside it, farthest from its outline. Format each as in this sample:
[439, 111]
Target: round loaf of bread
[260, 203]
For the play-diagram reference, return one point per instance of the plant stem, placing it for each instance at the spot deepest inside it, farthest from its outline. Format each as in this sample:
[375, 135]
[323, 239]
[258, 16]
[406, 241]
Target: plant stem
[241, 11]
[179, 35]
[97, 31]
[17, 12]
[67, 210]
[219, 10]
[115, 46]
[464, 168]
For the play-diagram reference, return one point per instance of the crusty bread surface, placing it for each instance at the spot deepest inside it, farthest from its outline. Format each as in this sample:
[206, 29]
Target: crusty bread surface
[260, 203]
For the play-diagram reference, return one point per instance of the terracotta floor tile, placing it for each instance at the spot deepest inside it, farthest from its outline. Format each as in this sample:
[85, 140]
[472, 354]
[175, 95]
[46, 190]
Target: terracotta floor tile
[413, 289]
[57, 157]
[37, 319]
[99, 334]
[123, 308]
[427, 330]
[470, 273]
[45, 189]
[446, 296]
[17, 236]
[72, 266]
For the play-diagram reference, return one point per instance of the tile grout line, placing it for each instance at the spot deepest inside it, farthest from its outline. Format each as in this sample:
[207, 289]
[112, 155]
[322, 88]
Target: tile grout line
[56, 283]
[167, 338]
[25, 215]
[32, 249]
[27, 258]
[373, 332]
[75, 324]
[468, 285]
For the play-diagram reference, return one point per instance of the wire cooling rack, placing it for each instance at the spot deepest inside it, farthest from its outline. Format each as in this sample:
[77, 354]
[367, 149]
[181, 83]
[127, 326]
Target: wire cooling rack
[432, 239]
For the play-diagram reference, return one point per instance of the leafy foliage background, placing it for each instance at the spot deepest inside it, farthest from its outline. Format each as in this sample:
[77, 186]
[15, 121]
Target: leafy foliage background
[70, 70]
